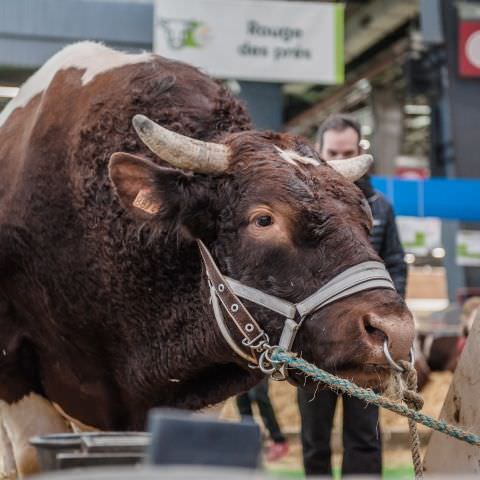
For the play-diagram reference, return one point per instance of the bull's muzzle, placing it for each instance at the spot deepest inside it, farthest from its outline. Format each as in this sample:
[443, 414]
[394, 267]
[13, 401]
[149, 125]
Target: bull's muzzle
[390, 336]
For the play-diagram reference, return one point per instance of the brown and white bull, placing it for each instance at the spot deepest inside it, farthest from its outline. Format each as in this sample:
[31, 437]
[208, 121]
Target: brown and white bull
[104, 306]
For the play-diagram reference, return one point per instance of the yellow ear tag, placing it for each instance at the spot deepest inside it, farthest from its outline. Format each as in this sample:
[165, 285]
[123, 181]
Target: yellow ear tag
[144, 202]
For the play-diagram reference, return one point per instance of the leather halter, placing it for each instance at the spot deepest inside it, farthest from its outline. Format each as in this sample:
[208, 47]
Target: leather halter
[255, 344]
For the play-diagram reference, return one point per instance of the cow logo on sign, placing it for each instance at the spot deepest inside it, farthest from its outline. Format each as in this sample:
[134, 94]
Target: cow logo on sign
[184, 33]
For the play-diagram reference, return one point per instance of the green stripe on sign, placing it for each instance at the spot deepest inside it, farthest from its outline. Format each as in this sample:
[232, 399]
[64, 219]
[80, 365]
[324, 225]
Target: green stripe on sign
[339, 43]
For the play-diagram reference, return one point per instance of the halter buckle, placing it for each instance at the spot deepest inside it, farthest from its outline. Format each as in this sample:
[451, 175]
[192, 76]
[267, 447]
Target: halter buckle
[258, 343]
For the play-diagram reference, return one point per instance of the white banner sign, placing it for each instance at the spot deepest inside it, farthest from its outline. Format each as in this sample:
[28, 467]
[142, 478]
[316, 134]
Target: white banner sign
[260, 40]
[468, 248]
[419, 235]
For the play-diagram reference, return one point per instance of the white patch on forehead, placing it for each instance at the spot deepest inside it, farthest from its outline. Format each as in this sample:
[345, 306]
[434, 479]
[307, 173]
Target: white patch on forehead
[92, 57]
[293, 157]
[284, 155]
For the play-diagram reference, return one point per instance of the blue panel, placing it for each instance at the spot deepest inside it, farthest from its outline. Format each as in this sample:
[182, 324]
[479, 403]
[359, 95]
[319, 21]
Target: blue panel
[437, 197]
[405, 198]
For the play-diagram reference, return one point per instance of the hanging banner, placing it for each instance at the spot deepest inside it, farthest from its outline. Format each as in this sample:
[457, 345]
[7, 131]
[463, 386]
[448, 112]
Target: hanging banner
[468, 248]
[259, 40]
[419, 235]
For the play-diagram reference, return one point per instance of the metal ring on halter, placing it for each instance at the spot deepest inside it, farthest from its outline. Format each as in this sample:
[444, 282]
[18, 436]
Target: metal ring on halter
[263, 363]
[279, 375]
[392, 362]
[275, 369]
[268, 355]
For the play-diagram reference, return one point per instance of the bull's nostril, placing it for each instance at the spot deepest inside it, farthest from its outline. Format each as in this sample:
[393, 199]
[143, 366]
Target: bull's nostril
[376, 328]
[371, 330]
[374, 334]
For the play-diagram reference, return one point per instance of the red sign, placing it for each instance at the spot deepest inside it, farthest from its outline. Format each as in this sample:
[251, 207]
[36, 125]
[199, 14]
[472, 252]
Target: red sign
[469, 48]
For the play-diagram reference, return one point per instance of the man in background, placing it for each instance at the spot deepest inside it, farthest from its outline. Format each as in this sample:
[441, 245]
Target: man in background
[339, 138]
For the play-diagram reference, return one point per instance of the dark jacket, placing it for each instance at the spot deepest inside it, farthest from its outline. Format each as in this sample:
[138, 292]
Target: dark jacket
[384, 236]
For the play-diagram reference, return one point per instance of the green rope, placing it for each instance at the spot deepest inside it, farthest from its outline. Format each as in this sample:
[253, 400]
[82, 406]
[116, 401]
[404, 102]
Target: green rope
[369, 396]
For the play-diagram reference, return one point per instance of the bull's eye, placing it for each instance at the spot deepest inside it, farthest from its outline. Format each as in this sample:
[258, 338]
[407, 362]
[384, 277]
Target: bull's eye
[263, 221]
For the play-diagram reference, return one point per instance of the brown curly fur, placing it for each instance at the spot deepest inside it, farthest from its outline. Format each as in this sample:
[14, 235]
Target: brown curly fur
[98, 311]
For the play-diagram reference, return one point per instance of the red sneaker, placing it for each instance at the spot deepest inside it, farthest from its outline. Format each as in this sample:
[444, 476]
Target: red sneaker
[276, 451]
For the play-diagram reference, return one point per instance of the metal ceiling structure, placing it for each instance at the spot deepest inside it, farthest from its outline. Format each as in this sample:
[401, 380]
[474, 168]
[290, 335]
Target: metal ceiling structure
[366, 25]
[376, 19]
[351, 93]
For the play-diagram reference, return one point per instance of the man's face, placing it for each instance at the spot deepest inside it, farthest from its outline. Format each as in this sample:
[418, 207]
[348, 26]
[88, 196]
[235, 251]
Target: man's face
[340, 144]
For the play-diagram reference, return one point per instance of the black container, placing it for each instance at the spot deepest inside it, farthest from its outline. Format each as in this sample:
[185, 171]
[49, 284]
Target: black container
[184, 438]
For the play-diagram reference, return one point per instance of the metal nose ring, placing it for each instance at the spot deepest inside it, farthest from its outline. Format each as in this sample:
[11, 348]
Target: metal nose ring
[392, 362]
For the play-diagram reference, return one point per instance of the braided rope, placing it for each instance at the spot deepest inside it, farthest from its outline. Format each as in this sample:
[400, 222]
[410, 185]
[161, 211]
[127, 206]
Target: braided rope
[280, 356]
[415, 401]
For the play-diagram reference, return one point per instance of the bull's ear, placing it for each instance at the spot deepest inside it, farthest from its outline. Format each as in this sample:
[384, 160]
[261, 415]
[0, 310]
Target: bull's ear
[142, 186]
[172, 197]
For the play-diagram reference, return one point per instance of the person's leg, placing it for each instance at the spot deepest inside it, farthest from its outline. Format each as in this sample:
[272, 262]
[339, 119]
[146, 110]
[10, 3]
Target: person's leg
[362, 445]
[244, 405]
[317, 421]
[259, 394]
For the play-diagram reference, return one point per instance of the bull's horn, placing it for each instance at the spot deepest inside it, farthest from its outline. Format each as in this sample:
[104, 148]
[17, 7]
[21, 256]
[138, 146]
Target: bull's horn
[181, 151]
[352, 168]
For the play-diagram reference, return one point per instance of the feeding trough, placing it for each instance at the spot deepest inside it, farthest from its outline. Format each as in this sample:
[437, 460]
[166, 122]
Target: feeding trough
[69, 450]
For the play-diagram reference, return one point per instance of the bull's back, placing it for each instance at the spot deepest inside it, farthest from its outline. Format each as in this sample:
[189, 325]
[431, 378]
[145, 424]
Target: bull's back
[57, 135]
